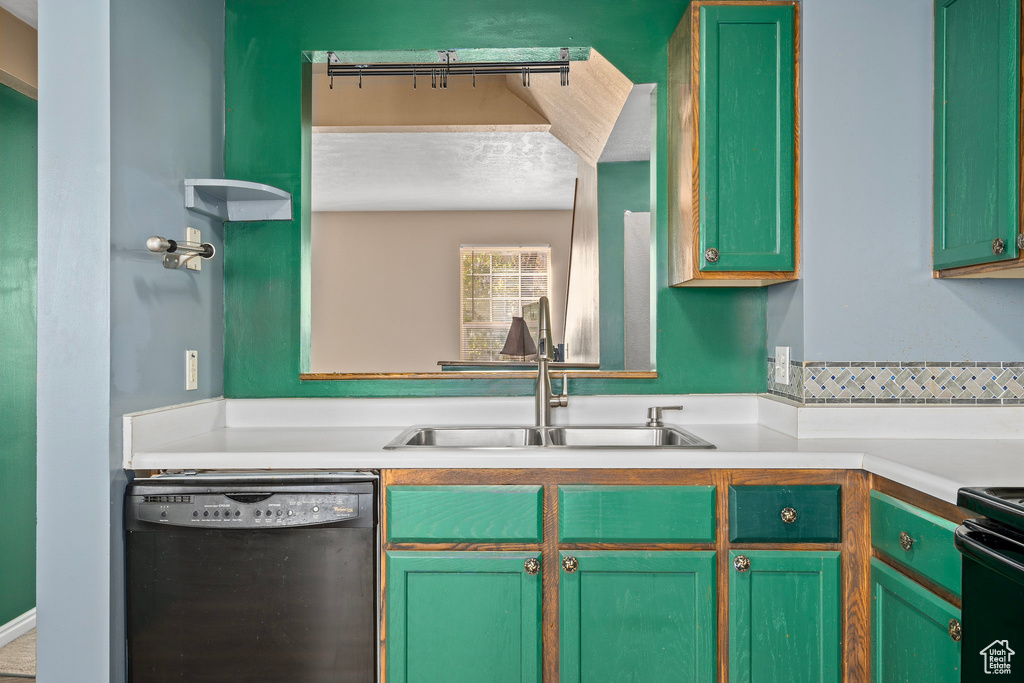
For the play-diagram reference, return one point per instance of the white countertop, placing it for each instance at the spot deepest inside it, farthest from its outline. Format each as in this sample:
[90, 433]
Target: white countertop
[938, 467]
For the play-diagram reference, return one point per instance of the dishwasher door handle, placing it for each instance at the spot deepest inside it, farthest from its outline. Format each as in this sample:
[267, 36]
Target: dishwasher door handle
[983, 544]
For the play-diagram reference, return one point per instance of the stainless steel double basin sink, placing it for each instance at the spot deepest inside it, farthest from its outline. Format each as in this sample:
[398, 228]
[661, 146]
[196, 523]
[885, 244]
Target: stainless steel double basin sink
[590, 437]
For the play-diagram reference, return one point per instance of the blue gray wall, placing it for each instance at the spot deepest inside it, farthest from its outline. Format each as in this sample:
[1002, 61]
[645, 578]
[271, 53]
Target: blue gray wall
[74, 466]
[866, 291]
[144, 111]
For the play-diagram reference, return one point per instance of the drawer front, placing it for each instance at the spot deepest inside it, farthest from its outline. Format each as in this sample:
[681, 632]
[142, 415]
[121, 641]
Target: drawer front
[931, 551]
[453, 514]
[636, 514]
[785, 514]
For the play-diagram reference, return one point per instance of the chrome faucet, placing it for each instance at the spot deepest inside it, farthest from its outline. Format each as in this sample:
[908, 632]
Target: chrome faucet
[545, 400]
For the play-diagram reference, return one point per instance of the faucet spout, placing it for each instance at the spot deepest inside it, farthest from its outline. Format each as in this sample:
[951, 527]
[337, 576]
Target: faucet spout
[544, 399]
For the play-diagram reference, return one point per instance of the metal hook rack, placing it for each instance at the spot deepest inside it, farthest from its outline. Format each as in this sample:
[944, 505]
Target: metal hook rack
[449, 65]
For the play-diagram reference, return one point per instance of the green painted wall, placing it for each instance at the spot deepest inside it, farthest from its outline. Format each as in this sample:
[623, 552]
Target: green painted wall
[621, 186]
[18, 164]
[708, 340]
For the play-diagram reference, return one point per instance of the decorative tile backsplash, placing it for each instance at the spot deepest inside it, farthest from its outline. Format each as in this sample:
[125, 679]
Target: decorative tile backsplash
[935, 382]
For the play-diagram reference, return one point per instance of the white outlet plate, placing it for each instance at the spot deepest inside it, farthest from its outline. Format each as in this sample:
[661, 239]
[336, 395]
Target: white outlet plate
[191, 370]
[782, 365]
[193, 236]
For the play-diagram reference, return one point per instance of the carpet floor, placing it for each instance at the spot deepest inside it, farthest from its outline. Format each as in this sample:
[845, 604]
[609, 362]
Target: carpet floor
[18, 657]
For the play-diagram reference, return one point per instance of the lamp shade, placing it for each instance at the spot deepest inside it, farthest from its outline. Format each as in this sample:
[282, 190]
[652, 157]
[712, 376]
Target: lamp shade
[519, 341]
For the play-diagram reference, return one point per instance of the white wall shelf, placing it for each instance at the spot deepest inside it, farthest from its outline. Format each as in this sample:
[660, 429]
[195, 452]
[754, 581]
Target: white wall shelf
[237, 200]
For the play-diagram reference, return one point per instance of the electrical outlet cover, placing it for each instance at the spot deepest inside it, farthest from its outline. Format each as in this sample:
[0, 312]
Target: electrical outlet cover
[191, 370]
[782, 364]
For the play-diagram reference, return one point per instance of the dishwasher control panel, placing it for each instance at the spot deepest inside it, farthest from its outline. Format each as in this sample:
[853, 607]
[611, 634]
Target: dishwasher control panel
[245, 510]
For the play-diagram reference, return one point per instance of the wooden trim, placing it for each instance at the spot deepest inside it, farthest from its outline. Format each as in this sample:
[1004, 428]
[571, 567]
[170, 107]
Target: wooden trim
[382, 498]
[481, 547]
[496, 374]
[921, 500]
[916, 577]
[722, 481]
[552, 477]
[856, 578]
[1010, 268]
[636, 546]
[550, 643]
[785, 546]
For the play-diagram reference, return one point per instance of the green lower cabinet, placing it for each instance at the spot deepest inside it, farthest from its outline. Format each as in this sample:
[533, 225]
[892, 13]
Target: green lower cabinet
[634, 616]
[910, 631]
[463, 617]
[784, 616]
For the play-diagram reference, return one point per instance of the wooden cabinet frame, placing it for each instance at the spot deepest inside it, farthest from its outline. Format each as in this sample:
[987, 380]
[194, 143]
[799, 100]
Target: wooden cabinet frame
[684, 158]
[855, 544]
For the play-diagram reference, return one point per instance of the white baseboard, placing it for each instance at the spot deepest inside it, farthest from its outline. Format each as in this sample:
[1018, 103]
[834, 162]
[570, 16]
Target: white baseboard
[17, 627]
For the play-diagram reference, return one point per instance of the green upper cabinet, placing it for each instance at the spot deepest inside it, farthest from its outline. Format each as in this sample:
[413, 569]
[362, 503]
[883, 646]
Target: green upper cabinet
[633, 617]
[977, 98]
[732, 145]
[911, 639]
[463, 617]
[784, 617]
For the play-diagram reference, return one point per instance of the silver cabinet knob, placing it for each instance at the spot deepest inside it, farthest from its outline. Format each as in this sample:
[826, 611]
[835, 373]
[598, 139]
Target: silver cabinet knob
[570, 564]
[532, 566]
[998, 246]
[711, 255]
[742, 563]
[788, 515]
[906, 542]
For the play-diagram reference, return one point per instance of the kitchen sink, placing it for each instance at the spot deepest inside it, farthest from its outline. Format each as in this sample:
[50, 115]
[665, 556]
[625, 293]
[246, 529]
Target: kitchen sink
[589, 436]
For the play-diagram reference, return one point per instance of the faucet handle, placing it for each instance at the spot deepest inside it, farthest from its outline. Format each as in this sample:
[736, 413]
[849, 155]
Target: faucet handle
[654, 415]
[562, 399]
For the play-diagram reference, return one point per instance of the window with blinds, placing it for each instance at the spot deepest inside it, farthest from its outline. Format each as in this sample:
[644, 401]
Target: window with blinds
[497, 281]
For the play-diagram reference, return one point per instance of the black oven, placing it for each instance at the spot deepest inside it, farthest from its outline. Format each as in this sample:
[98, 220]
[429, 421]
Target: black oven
[993, 585]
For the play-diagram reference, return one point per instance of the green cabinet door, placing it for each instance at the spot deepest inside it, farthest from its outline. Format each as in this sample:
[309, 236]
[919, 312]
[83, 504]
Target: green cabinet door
[784, 619]
[634, 616]
[976, 146]
[910, 641]
[746, 160]
[462, 617]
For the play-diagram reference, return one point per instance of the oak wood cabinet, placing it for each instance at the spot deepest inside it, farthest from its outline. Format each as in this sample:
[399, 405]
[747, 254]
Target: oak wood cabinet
[915, 588]
[977, 222]
[733, 166]
[631, 577]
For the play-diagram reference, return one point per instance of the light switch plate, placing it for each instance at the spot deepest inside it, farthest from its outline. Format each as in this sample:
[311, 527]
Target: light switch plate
[782, 365]
[193, 236]
[191, 370]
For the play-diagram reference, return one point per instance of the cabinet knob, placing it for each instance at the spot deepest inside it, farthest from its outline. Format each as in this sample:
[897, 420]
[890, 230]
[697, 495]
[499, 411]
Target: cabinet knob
[742, 563]
[532, 566]
[955, 630]
[1020, 241]
[906, 542]
[998, 246]
[711, 255]
[570, 564]
[788, 515]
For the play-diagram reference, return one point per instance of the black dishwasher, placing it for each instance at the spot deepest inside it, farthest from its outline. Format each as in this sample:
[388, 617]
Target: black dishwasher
[268, 578]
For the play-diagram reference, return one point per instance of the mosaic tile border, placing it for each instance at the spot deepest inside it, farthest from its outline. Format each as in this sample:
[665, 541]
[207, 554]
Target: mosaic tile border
[904, 382]
[795, 389]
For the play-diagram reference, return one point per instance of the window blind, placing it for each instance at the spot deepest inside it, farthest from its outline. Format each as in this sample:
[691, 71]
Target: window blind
[497, 281]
